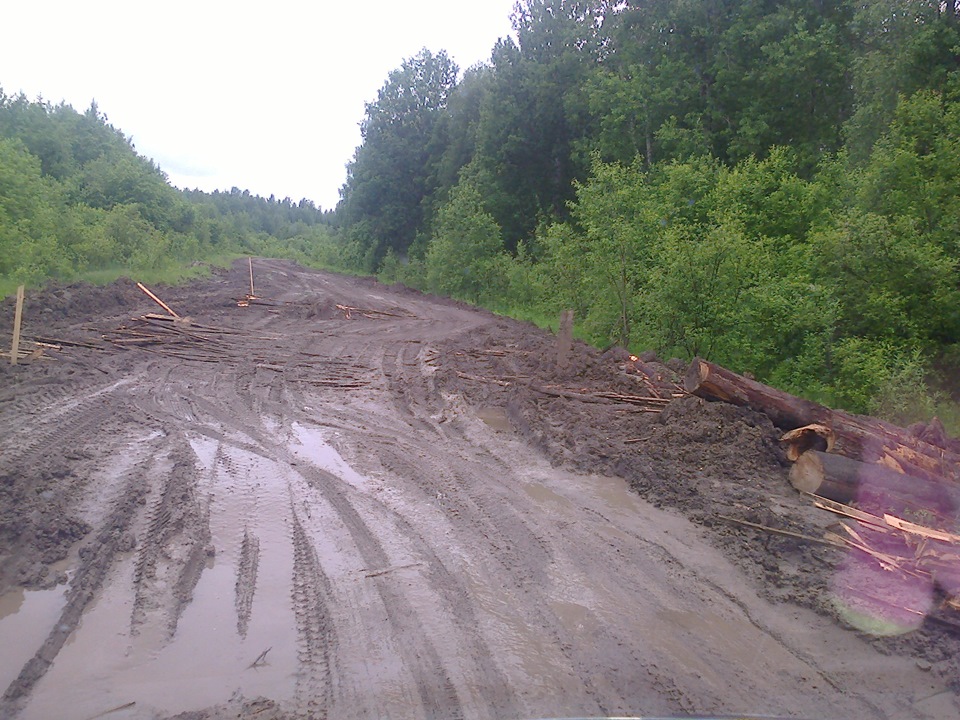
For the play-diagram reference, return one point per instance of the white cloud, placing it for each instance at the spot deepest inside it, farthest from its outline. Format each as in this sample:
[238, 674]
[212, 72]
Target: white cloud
[265, 96]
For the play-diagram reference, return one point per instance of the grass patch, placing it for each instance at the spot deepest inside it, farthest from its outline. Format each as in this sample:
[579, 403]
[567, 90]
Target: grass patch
[169, 273]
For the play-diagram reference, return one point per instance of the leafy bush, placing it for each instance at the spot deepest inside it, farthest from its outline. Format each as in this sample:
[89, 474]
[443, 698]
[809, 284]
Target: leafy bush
[463, 258]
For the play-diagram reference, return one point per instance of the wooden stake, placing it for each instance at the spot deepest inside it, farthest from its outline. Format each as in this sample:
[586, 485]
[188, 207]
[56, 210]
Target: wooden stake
[565, 339]
[157, 300]
[250, 263]
[17, 317]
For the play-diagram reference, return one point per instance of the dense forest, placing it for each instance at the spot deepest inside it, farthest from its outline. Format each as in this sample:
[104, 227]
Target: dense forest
[775, 186]
[770, 185]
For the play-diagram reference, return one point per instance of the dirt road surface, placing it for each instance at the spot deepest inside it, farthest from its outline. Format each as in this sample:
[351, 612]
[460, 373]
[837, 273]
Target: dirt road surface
[368, 513]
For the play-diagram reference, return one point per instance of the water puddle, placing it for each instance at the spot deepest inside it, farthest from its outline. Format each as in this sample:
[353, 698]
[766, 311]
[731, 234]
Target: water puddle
[104, 665]
[616, 493]
[496, 418]
[574, 617]
[313, 447]
[26, 617]
[544, 495]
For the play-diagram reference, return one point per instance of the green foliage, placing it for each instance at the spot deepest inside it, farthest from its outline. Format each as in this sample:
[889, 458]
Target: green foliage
[393, 174]
[891, 282]
[463, 257]
[773, 185]
[76, 199]
[884, 378]
[904, 48]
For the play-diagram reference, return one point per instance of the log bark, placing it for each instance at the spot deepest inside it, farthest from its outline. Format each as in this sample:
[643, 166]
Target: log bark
[843, 480]
[857, 437]
[786, 411]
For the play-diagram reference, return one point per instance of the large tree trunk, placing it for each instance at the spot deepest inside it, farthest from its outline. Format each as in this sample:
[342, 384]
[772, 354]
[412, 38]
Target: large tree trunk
[858, 437]
[841, 479]
[712, 382]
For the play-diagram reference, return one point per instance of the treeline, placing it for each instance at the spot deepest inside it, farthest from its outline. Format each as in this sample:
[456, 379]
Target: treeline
[75, 196]
[772, 185]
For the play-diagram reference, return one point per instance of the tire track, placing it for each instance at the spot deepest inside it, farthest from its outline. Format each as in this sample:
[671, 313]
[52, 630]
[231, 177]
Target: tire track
[246, 580]
[174, 550]
[310, 592]
[96, 563]
[439, 572]
[435, 689]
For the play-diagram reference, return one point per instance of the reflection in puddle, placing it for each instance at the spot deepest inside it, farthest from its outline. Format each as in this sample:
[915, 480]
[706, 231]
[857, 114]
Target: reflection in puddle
[104, 666]
[315, 448]
[26, 617]
[496, 418]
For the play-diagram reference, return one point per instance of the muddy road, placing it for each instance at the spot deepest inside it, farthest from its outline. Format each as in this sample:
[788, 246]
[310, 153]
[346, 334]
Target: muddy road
[329, 512]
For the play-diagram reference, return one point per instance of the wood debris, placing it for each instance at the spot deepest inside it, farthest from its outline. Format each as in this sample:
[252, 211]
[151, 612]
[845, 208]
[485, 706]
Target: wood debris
[348, 312]
[896, 489]
[157, 300]
[261, 659]
[645, 402]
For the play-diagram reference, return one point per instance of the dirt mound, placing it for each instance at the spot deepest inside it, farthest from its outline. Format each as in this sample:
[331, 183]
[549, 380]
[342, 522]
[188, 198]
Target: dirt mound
[56, 305]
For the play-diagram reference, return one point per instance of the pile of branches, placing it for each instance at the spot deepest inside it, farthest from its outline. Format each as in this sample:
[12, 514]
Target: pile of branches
[348, 313]
[174, 336]
[646, 403]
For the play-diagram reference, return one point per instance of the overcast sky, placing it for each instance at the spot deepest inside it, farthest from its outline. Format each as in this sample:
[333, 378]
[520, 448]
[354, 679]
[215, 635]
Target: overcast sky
[265, 96]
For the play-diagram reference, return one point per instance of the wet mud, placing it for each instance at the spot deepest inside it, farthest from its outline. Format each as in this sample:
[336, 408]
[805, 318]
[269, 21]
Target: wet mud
[374, 512]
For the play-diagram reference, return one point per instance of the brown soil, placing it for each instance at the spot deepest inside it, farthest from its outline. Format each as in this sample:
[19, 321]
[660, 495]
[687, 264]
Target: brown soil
[403, 509]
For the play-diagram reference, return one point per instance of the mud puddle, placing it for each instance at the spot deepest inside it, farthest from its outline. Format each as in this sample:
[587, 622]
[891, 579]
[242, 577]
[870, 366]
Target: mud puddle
[239, 608]
[25, 619]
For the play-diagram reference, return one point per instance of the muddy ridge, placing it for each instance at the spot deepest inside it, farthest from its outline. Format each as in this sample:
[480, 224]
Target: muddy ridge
[350, 500]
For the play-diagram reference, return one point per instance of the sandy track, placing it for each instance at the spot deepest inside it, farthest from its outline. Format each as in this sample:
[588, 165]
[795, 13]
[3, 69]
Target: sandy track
[396, 551]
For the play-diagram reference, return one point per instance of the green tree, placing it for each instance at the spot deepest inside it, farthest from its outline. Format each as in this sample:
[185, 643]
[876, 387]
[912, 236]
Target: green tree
[29, 205]
[462, 259]
[533, 114]
[902, 46]
[394, 172]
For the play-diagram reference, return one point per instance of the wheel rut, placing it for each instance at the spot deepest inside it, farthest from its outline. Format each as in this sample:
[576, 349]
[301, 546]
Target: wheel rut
[324, 524]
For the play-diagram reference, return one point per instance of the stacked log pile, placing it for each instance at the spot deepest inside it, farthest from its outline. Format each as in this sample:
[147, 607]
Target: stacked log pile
[897, 489]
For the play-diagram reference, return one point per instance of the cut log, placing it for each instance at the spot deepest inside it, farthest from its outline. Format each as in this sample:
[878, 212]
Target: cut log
[808, 437]
[843, 480]
[857, 436]
[712, 382]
